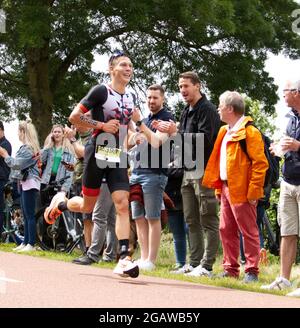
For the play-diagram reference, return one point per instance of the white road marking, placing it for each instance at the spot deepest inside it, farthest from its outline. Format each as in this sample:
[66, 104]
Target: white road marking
[9, 279]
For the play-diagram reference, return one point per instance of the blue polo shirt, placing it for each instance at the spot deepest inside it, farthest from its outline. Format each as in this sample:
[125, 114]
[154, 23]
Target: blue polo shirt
[156, 167]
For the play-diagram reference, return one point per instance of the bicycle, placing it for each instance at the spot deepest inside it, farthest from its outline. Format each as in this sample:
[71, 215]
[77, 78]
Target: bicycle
[13, 227]
[66, 233]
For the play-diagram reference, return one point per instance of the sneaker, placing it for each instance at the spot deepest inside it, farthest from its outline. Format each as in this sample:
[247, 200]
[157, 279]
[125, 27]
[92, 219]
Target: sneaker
[182, 270]
[199, 271]
[279, 283]
[18, 248]
[295, 293]
[250, 277]
[52, 212]
[84, 260]
[127, 268]
[27, 248]
[146, 265]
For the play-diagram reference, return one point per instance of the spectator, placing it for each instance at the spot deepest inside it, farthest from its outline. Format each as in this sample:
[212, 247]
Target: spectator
[289, 199]
[152, 179]
[57, 151]
[25, 170]
[240, 193]
[199, 204]
[4, 173]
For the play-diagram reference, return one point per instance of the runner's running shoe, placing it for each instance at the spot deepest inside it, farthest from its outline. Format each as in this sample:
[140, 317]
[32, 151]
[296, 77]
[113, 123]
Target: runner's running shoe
[52, 212]
[127, 268]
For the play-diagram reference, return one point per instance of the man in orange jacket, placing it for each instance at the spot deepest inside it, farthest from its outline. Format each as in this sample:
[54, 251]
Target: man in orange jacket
[238, 180]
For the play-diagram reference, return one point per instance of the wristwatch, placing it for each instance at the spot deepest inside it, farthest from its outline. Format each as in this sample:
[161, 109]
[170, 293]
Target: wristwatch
[138, 123]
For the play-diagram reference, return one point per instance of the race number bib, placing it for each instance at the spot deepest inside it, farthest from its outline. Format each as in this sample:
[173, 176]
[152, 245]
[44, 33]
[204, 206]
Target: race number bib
[108, 154]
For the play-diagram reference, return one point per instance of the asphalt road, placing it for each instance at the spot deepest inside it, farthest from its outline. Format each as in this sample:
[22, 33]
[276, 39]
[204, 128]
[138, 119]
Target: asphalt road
[33, 282]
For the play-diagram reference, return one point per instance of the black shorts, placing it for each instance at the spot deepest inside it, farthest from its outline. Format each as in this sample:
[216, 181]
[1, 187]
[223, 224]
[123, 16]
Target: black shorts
[116, 178]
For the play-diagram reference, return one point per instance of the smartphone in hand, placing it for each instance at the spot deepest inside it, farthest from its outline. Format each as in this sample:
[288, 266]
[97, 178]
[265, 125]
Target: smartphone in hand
[68, 166]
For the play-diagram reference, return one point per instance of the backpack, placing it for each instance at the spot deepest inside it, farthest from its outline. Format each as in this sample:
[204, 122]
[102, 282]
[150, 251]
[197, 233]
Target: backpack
[272, 174]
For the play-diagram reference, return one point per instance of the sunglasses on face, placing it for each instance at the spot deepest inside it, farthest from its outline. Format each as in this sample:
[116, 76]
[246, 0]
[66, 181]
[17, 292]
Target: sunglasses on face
[116, 54]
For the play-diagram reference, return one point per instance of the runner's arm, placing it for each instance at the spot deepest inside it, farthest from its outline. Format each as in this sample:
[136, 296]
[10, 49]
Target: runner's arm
[78, 118]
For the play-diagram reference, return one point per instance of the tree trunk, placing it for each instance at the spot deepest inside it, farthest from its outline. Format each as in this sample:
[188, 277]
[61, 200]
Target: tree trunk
[39, 89]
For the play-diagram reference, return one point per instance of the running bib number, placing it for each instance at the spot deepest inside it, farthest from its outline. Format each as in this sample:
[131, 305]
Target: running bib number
[109, 154]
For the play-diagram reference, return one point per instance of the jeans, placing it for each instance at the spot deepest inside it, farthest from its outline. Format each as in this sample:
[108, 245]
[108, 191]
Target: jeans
[28, 201]
[179, 230]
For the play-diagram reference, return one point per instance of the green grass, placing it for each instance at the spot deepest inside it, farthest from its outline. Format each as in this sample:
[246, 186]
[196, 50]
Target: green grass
[166, 260]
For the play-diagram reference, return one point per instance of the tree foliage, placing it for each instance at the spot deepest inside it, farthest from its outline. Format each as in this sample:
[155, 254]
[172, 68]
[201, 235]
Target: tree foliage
[47, 52]
[262, 121]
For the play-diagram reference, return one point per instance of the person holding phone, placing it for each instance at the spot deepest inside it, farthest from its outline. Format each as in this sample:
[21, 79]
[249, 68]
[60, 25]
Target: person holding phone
[57, 159]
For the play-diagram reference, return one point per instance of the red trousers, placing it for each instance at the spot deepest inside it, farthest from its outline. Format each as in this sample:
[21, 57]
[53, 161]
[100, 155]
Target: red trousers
[236, 218]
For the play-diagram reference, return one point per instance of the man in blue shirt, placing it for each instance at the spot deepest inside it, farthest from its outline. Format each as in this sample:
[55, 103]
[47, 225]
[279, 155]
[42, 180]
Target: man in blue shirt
[289, 200]
[150, 173]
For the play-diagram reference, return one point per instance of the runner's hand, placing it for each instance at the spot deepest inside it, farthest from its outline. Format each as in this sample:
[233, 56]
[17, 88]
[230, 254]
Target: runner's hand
[112, 126]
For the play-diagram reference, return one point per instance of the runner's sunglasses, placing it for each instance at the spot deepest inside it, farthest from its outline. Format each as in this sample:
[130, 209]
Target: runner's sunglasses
[116, 54]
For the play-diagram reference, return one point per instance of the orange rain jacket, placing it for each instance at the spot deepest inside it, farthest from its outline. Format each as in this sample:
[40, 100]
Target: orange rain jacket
[245, 177]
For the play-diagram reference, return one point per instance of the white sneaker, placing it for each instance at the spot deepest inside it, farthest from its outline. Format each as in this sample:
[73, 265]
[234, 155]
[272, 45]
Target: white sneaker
[279, 283]
[295, 293]
[199, 271]
[27, 248]
[182, 270]
[146, 265]
[18, 248]
[126, 268]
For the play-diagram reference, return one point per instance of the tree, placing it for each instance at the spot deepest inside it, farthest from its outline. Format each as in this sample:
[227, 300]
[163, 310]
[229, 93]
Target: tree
[261, 121]
[47, 52]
